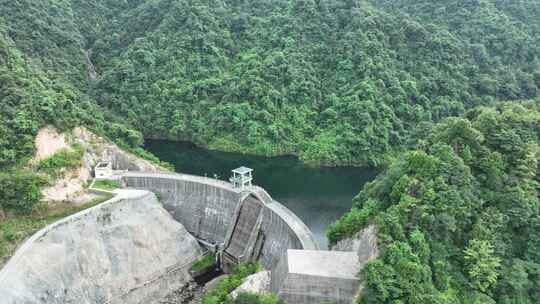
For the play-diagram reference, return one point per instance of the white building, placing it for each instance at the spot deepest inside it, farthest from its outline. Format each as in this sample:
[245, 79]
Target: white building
[103, 170]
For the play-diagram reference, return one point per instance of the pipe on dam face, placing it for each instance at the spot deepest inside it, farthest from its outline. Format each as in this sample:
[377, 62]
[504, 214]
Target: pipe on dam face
[210, 209]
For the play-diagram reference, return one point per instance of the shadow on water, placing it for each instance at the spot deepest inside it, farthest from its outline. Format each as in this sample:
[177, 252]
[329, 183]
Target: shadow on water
[319, 196]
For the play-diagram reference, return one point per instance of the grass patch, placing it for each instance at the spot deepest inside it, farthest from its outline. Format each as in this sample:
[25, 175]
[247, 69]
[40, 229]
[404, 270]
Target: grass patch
[106, 184]
[64, 159]
[221, 293]
[14, 231]
[250, 298]
[207, 261]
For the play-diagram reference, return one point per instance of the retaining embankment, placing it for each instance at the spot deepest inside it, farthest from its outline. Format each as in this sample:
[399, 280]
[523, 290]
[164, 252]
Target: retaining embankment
[126, 250]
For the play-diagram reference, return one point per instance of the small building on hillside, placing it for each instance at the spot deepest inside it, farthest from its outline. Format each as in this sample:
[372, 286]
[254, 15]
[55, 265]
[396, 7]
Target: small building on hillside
[103, 170]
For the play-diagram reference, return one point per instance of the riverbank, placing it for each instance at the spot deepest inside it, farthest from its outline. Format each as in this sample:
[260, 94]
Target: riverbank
[306, 158]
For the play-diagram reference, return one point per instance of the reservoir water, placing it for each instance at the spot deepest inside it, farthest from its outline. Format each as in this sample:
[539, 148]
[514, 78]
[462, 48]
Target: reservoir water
[319, 196]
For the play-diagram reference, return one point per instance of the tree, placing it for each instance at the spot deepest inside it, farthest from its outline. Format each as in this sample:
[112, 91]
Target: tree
[482, 264]
[20, 191]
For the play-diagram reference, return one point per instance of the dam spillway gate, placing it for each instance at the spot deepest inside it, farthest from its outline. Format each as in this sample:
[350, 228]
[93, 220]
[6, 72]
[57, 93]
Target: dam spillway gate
[240, 247]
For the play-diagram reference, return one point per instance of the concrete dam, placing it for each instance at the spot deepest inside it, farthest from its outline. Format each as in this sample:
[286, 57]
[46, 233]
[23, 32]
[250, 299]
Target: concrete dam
[247, 223]
[242, 224]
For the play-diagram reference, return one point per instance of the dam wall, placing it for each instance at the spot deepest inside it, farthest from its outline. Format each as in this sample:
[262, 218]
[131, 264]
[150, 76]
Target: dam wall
[210, 209]
[204, 206]
[278, 221]
[126, 250]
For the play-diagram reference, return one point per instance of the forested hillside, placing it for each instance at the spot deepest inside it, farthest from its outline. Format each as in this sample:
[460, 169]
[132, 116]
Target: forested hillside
[333, 81]
[434, 88]
[43, 79]
[459, 217]
[336, 82]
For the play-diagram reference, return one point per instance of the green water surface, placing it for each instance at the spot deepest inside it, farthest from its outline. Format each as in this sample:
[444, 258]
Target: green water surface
[318, 196]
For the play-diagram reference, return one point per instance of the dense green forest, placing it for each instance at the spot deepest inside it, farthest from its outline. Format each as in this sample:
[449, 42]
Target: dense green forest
[43, 79]
[458, 217]
[336, 82]
[431, 89]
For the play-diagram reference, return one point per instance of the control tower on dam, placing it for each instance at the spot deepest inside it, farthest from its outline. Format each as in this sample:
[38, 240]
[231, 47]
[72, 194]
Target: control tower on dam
[243, 221]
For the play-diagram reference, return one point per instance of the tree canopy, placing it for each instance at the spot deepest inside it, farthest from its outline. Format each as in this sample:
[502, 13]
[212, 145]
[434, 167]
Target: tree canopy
[458, 216]
[336, 82]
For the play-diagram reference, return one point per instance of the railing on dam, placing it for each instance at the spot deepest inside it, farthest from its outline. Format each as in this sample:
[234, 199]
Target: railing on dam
[210, 210]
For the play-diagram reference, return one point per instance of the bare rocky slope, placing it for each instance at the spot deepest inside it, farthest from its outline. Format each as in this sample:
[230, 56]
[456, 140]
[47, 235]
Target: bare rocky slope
[71, 185]
[364, 243]
[127, 250]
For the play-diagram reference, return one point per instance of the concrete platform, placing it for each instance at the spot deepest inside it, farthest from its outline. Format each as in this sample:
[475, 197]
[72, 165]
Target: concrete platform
[310, 277]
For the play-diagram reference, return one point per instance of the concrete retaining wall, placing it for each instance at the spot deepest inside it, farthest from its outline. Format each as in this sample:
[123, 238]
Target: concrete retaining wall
[306, 277]
[207, 208]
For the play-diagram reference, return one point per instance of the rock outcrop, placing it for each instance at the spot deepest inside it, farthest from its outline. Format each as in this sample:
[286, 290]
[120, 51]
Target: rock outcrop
[258, 283]
[127, 250]
[98, 148]
[71, 185]
[48, 141]
[364, 243]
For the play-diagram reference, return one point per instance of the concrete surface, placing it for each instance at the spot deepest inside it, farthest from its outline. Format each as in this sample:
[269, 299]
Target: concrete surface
[312, 277]
[209, 209]
[332, 264]
[126, 250]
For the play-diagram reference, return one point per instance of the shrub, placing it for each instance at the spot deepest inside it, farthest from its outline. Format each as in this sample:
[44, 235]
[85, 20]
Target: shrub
[20, 191]
[204, 263]
[106, 184]
[221, 293]
[250, 298]
[351, 222]
[142, 153]
[64, 159]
